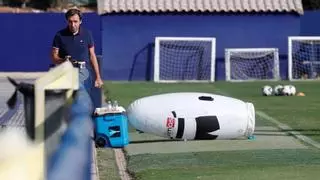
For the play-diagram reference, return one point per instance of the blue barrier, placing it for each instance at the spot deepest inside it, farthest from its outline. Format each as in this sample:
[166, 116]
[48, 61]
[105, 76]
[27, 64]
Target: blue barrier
[72, 160]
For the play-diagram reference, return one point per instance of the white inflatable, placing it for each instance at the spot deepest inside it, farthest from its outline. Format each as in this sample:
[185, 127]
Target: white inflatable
[192, 116]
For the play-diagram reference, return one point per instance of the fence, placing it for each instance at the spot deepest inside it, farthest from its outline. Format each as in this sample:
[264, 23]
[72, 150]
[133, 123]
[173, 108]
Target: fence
[58, 120]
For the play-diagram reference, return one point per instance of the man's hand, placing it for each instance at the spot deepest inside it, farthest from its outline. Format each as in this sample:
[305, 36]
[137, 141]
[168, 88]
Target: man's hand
[98, 83]
[55, 56]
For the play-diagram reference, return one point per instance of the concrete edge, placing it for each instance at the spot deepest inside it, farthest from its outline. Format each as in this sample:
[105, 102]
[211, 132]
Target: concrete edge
[122, 164]
[95, 173]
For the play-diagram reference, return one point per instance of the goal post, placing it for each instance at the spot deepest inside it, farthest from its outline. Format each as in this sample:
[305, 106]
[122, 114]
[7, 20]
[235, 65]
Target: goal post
[303, 58]
[184, 59]
[252, 64]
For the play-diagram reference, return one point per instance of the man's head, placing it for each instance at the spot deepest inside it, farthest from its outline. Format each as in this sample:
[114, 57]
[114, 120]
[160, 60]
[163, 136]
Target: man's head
[74, 19]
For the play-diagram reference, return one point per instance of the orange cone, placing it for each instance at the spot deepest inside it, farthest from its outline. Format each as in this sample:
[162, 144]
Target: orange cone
[301, 94]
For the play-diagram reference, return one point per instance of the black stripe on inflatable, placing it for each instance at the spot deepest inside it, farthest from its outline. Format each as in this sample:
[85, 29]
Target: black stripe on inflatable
[206, 98]
[180, 128]
[206, 125]
[174, 114]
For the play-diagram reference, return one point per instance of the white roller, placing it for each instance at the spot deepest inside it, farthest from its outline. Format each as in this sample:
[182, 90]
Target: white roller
[193, 116]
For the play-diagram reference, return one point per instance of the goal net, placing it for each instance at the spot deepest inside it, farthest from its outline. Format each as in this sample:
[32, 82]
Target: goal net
[181, 59]
[251, 64]
[304, 58]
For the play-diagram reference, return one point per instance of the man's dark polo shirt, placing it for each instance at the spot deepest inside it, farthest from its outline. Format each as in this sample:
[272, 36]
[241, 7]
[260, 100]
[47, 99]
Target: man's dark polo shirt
[77, 46]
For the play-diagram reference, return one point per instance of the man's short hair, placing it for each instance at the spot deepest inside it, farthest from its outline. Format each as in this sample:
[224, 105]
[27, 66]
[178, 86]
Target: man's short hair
[72, 12]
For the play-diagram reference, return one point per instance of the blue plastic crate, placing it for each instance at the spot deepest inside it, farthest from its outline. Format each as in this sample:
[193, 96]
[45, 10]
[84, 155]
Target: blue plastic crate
[111, 130]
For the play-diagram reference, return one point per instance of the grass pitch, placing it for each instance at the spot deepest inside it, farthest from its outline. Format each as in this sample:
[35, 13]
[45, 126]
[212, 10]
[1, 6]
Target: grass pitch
[281, 162]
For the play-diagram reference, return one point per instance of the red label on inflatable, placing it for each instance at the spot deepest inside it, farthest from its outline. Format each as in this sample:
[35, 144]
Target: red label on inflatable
[170, 122]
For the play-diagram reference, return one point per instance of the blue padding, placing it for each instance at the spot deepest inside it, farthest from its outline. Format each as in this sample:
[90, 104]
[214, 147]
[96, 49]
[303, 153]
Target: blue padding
[72, 160]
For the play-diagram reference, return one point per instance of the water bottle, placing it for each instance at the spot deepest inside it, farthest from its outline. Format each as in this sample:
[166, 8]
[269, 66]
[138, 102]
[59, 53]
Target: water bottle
[109, 106]
[115, 105]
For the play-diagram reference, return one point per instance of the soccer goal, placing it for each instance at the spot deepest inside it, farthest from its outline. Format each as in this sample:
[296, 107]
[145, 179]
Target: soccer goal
[304, 58]
[252, 64]
[184, 59]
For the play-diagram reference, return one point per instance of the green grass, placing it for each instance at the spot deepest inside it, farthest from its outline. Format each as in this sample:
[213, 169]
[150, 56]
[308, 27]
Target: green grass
[226, 159]
[107, 164]
[300, 113]
[296, 172]
[271, 164]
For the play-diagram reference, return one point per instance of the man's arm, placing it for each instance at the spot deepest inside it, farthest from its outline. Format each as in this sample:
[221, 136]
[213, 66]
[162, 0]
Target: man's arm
[94, 62]
[93, 59]
[56, 44]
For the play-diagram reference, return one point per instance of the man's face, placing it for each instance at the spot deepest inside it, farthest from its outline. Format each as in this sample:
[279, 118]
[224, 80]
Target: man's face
[74, 23]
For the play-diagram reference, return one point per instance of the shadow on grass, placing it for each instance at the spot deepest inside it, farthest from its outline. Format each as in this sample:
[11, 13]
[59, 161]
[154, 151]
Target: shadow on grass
[153, 141]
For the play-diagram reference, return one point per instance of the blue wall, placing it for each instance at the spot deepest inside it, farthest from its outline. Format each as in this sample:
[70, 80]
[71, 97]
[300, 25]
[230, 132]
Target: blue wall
[127, 40]
[26, 39]
[310, 25]
[26, 42]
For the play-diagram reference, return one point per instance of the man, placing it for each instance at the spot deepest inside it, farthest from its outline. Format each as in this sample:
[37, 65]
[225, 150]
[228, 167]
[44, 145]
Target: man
[76, 42]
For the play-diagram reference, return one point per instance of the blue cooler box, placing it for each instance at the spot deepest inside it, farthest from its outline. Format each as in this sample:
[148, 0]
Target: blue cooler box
[111, 130]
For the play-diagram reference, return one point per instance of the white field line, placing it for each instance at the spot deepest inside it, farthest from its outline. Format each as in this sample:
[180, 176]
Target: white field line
[281, 126]
[287, 128]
